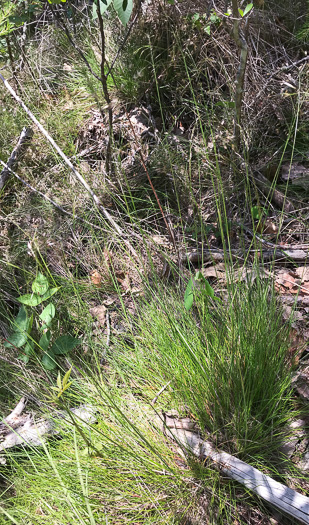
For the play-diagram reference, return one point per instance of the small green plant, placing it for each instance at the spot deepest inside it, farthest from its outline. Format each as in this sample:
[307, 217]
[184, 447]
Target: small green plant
[199, 284]
[23, 325]
[62, 384]
[204, 22]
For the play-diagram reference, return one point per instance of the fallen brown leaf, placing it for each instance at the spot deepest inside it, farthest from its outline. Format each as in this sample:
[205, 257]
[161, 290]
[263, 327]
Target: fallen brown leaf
[100, 313]
[124, 280]
[96, 278]
[303, 273]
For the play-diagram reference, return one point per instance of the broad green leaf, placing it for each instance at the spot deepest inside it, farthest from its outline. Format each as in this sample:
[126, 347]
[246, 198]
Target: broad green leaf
[40, 284]
[22, 326]
[45, 340]
[199, 276]
[25, 358]
[28, 349]
[30, 299]
[17, 339]
[188, 298]
[27, 352]
[258, 212]
[34, 299]
[22, 321]
[247, 9]
[241, 12]
[49, 293]
[104, 4]
[123, 9]
[64, 344]
[207, 29]
[48, 362]
[209, 289]
[48, 314]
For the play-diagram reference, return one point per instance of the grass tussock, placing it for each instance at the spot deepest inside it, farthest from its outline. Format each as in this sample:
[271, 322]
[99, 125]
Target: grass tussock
[226, 365]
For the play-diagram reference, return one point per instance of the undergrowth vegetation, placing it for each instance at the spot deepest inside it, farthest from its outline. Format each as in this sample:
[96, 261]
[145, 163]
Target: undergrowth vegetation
[148, 115]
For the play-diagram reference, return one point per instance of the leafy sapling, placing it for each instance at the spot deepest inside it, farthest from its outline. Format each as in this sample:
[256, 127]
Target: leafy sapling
[197, 284]
[22, 327]
[62, 384]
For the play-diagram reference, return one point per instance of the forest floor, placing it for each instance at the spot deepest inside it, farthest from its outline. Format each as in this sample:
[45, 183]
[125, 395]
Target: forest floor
[174, 285]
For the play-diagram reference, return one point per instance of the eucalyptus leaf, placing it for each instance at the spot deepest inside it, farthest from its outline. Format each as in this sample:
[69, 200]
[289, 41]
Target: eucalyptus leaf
[247, 9]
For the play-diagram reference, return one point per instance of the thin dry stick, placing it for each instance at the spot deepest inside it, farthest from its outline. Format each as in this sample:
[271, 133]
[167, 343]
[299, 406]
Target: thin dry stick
[279, 495]
[25, 136]
[105, 90]
[63, 156]
[155, 399]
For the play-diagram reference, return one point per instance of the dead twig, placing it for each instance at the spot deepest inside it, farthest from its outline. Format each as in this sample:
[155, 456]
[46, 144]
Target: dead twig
[23, 141]
[279, 495]
[155, 399]
[272, 193]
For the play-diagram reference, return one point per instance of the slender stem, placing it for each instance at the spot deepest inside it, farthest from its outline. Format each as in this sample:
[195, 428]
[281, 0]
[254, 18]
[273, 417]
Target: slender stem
[105, 90]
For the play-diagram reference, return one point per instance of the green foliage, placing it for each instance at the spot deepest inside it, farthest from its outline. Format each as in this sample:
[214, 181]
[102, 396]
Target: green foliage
[205, 22]
[221, 360]
[123, 9]
[22, 326]
[246, 10]
[62, 384]
[197, 284]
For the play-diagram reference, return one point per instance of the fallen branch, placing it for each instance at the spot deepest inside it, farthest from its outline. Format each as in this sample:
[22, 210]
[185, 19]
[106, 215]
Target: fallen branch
[23, 141]
[276, 196]
[216, 255]
[279, 495]
[17, 429]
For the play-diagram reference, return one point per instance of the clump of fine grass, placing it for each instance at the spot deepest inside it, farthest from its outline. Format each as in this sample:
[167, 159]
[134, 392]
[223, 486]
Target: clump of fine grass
[226, 364]
[119, 470]
[115, 472]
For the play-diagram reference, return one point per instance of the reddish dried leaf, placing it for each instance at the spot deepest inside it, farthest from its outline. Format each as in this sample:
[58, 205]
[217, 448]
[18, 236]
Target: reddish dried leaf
[96, 278]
